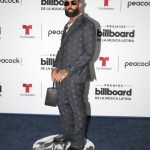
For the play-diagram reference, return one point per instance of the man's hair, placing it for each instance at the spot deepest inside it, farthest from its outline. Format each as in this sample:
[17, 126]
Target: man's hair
[81, 1]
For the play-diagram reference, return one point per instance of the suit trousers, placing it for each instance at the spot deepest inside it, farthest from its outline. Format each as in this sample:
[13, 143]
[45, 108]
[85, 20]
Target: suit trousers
[72, 110]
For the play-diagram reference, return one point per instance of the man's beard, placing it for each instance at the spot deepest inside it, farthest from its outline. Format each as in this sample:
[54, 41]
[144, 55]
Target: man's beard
[74, 12]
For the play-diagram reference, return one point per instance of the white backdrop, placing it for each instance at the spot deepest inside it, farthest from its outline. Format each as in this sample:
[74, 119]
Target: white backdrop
[30, 33]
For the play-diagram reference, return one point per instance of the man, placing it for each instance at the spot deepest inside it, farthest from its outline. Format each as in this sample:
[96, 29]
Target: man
[71, 71]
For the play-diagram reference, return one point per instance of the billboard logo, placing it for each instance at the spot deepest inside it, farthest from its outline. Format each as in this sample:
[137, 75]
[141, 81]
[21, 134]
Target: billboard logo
[113, 91]
[116, 33]
[110, 33]
[107, 91]
[52, 5]
[52, 2]
[47, 61]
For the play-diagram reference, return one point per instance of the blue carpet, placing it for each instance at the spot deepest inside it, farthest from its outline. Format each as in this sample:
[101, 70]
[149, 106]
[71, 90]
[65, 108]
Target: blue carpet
[19, 132]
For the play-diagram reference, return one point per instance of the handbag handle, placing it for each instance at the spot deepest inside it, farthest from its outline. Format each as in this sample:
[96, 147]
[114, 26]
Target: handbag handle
[54, 85]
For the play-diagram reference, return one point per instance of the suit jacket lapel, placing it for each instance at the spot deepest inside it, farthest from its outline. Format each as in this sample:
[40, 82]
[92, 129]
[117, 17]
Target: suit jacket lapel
[64, 34]
[75, 25]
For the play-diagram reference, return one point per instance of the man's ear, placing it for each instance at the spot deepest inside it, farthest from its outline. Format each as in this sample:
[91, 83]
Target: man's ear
[80, 5]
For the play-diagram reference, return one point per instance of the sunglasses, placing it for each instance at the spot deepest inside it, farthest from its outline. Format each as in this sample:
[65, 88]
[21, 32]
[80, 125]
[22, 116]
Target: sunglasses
[66, 3]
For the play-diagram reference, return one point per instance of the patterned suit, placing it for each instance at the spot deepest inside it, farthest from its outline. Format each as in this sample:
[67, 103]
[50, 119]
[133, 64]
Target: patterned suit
[76, 51]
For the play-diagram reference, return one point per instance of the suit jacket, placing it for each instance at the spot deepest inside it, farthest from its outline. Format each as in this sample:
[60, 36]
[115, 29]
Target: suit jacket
[77, 49]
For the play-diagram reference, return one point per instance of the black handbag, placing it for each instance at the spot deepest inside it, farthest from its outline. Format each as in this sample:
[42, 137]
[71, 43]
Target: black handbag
[51, 96]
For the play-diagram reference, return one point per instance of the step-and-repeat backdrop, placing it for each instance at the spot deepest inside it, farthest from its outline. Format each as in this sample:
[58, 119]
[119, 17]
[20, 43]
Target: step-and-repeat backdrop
[30, 33]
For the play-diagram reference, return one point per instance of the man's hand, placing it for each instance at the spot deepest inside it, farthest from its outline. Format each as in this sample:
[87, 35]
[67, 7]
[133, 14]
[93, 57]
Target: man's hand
[53, 74]
[61, 75]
